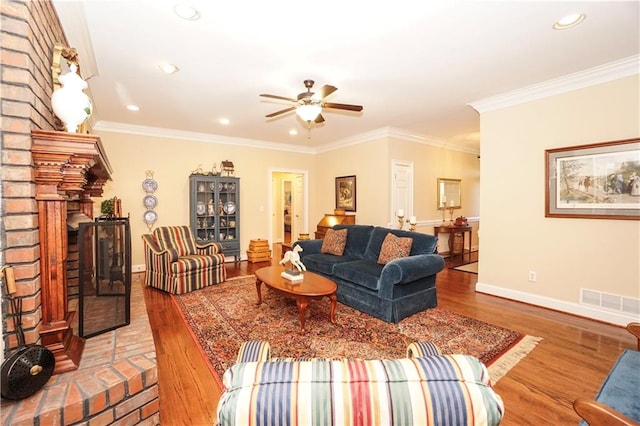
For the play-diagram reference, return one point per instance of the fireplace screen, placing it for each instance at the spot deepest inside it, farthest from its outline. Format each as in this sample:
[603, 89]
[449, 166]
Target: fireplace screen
[104, 275]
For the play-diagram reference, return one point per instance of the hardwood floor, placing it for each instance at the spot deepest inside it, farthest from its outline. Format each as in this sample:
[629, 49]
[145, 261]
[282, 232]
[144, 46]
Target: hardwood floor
[572, 360]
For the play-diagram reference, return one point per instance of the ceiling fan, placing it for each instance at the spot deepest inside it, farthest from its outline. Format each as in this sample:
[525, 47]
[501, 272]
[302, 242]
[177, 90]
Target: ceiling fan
[309, 104]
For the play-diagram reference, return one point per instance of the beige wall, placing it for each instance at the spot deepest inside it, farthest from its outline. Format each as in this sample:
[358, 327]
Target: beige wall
[432, 162]
[567, 254]
[371, 163]
[172, 160]
[368, 161]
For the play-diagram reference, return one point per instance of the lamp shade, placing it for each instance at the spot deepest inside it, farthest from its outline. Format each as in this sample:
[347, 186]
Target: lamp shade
[309, 112]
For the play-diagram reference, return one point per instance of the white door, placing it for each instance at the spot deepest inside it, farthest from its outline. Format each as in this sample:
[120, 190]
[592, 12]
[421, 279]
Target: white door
[401, 190]
[297, 221]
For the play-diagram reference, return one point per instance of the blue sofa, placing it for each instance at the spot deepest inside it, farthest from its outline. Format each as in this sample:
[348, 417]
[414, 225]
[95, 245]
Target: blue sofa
[390, 292]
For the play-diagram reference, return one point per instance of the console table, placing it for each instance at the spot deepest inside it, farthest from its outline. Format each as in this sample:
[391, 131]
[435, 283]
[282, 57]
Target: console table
[452, 230]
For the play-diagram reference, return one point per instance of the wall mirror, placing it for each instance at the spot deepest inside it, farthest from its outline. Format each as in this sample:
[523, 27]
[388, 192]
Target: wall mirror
[449, 193]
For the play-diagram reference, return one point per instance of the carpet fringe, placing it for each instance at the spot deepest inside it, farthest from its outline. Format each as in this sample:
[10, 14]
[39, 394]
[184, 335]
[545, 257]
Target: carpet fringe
[508, 360]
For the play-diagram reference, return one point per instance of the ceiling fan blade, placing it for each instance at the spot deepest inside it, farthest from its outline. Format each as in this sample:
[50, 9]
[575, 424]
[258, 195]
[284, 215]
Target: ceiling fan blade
[282, 111]
[323, 92]
[342, 106]
[279, 97]
[319, 119]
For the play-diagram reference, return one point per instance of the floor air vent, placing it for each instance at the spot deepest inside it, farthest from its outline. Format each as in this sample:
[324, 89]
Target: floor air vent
[613, 302]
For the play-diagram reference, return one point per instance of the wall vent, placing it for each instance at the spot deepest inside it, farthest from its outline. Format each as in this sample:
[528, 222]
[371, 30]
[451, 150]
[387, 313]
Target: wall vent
[631, 305]
[613, 302]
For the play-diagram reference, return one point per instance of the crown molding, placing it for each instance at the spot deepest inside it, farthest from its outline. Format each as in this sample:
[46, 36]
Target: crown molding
[590, 77]
[428, 140]
[381, 133]
[130, 129]
[392, 132]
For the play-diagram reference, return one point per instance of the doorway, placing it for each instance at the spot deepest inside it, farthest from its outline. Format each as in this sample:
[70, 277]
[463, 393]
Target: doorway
[289, 205]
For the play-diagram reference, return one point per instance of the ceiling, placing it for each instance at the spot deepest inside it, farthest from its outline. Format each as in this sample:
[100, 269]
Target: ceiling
[414, 66]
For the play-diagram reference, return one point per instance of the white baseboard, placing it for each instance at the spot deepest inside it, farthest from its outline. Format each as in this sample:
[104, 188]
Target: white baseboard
[138, 268]
[558, 305]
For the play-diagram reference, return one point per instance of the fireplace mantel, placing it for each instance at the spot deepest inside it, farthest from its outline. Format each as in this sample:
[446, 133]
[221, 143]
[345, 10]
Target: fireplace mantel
[67, 166]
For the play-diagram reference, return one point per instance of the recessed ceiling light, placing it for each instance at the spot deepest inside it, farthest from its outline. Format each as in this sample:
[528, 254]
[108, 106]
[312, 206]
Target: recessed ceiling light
[293, 132]
[569, 21]
[224, 121]
[168, 68]
[186, 11]
[133, 107]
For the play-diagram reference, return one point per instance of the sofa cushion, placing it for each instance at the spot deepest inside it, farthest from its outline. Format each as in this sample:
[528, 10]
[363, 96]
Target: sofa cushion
[324, 263]
[357, 239]
[334, 242]
[394, 248]
[422, 243]
[365, 273]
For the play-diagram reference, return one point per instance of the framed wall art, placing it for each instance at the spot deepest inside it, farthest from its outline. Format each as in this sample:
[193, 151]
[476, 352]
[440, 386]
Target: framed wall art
[597, 181]
[346, 193]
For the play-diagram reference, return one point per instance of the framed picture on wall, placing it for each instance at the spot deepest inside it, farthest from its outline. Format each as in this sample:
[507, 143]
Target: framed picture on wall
[346, 193]
[597, 181]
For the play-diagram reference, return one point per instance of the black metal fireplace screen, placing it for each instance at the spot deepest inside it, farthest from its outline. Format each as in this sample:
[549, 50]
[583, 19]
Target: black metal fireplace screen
[104, 275]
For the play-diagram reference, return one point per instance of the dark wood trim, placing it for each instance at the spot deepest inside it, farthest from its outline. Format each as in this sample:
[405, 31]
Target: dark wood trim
[65, 163]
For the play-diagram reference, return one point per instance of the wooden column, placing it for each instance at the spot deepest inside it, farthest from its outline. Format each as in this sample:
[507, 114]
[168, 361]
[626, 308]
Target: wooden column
[66, 165]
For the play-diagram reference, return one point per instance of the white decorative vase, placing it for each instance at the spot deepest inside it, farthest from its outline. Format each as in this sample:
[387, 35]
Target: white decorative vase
[69, 102]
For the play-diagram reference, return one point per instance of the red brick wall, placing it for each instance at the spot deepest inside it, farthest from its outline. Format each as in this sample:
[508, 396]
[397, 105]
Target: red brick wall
[28, 32]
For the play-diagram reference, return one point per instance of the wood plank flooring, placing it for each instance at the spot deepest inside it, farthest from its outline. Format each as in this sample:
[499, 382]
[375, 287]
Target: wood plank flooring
[572, 360]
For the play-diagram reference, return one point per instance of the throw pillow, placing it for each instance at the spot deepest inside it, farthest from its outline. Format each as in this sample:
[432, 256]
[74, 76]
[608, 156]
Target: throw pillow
[394, 248]
[334, 242]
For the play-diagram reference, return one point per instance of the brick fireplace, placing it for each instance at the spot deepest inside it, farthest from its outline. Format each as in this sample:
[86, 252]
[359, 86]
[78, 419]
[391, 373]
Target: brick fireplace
[107, 379]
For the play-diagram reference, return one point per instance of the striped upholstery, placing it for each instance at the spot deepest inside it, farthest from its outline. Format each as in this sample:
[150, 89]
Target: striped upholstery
[177, 264]
[422, 349]
[254, 350]
[432, 390]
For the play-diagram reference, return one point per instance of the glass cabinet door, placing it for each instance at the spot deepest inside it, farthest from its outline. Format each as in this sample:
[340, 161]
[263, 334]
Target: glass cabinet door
[215, 214]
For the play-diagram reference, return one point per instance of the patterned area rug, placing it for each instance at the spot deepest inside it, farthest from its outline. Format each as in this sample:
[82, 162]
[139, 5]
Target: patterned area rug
[223, 316]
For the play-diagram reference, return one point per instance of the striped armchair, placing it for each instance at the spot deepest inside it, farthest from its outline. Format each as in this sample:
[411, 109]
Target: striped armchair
[425, 388]
[177, 264]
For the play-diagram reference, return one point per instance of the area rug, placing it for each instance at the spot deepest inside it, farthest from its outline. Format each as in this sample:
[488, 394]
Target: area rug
[467, 267]
[223, 316]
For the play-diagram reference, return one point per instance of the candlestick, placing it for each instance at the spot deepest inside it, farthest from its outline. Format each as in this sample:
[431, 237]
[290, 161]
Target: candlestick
[443, 208]
[400, 218]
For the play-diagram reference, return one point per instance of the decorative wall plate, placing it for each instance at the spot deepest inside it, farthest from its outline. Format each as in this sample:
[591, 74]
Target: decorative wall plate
[150, 201]
[150, 217]
[149, 185]
[229, 207]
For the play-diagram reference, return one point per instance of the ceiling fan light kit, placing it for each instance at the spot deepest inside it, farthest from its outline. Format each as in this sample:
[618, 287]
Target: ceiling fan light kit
[309, 112]
[309, 104]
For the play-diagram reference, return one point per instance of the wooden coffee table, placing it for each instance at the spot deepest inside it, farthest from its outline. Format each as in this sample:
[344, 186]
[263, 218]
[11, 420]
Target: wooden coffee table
[313, 286]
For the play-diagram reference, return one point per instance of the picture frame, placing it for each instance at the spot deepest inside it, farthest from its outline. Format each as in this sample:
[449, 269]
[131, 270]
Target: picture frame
[595, 181]
[346, 193]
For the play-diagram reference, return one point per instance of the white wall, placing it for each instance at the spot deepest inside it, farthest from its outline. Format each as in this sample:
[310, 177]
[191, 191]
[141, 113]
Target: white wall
[567, 254]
